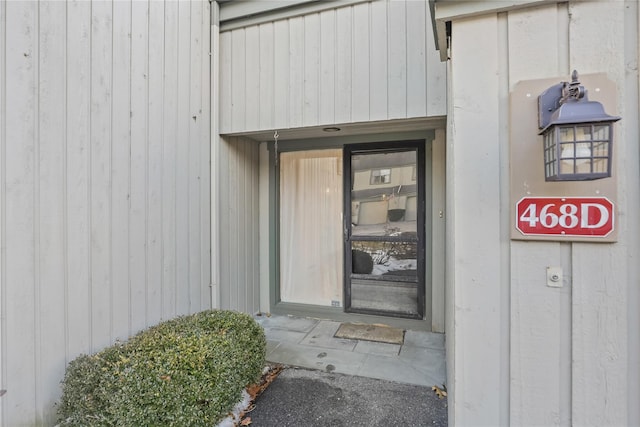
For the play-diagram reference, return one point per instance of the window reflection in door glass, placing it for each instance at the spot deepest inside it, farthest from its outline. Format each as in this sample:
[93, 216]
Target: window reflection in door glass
[383, 193]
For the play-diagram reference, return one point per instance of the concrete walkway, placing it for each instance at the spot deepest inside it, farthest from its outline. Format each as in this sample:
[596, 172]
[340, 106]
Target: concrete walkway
[310, 343]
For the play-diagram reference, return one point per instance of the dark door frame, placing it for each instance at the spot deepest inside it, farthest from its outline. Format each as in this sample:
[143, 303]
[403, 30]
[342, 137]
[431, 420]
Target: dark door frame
[381, 147]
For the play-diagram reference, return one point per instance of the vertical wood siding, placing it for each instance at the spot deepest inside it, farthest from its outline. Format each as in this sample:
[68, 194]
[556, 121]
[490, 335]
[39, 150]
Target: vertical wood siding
[532, 304]
[569, 349]
[238, 203]
[474, 189]
[367, 62]
[104, 182]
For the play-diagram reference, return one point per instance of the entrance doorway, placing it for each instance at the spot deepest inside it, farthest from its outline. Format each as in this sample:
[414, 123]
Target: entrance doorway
[383, 227]
[351, 230]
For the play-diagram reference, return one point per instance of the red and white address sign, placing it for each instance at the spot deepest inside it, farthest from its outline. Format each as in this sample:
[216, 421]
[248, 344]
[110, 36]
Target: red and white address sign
[565, 216]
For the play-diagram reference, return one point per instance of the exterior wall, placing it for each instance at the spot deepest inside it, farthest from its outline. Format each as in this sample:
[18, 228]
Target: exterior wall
[104, 139]
[238, 203]
[523, 353]
[366, 62]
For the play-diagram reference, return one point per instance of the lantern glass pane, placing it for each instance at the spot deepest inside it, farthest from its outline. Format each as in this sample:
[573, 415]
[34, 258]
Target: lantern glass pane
[601, 165]
[583, 165]
[601, 149]
[568, 151]
[550, 160]
[583, 133]
[565, 134]
[567, 167]
[601, 132]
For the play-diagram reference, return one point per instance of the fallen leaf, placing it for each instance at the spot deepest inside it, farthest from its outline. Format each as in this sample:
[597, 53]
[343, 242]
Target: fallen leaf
[254, 390]
[440, 392]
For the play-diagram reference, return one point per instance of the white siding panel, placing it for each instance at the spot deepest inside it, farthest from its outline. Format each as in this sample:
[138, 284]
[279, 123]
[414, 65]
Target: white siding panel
[78, 93]
[252, 70]
[138, 184]
[2, 199]
[536, 54]
[539, 337]
[630, 173]
[601, 273]
[239, 191]
[416, 58]
[239, 81]
[242, 212]
[226, 99]
[266, 93]
[311, 69]
[121, 167]
[3, 346]
[169, 170]
[360, 88]
[109, 118]
[378, 56]
[225, 233]
[397, 53]
[183, 296]
[155, 141]
[50, 297]
[280, 77]
[100, 175]
[540, 320]
[356, 63]
[203, 23]
[296, 72]
[344, 46]
[475, 244]
[599, 336]
[19, 231]
[198, 193]
[327, 82]
[436, 77]
[438, 236]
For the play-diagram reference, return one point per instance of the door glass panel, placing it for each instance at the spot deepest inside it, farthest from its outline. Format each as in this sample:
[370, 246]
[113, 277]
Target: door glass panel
[311, 251]
[383, 243]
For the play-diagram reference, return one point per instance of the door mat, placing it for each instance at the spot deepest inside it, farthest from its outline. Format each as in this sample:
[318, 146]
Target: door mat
[375, 333]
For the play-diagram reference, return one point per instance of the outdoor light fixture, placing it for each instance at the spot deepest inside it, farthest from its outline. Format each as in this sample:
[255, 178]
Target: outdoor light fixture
[577, 133]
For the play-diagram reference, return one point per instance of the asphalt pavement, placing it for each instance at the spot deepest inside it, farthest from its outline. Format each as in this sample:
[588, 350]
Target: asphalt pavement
[313, 398]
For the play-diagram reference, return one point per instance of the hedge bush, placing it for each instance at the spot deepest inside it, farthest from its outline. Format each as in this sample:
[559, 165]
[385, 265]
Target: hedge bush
[189, 371]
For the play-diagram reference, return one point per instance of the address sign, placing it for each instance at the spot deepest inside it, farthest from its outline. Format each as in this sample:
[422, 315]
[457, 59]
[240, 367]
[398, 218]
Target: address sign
[565, 216]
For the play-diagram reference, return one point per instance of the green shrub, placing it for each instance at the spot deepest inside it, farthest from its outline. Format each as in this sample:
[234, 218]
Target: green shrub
[189, 371]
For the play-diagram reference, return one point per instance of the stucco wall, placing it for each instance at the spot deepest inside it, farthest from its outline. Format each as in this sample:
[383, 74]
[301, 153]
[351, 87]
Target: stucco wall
[104, 182]
[523, 353]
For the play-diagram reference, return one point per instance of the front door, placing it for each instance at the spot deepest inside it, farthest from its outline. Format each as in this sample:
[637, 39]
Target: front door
[383, 229]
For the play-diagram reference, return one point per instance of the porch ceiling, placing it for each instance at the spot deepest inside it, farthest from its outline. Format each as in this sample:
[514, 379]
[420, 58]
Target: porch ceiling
[348, 129]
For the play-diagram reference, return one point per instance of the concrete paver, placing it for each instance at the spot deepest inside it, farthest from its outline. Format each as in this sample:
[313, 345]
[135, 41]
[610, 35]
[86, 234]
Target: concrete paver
[326, 359]
[310, 343]
[288, 323]
[323, 336]
[370, 347]
[424, 339]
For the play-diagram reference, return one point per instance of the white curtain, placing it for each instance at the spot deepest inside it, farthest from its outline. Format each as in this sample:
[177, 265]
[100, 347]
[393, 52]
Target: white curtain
[311, 262]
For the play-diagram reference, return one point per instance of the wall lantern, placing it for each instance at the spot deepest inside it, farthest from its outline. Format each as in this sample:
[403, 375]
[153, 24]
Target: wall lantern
[577, 133]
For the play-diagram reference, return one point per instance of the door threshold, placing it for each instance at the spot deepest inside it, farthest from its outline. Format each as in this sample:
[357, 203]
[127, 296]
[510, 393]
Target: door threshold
[338, 314]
